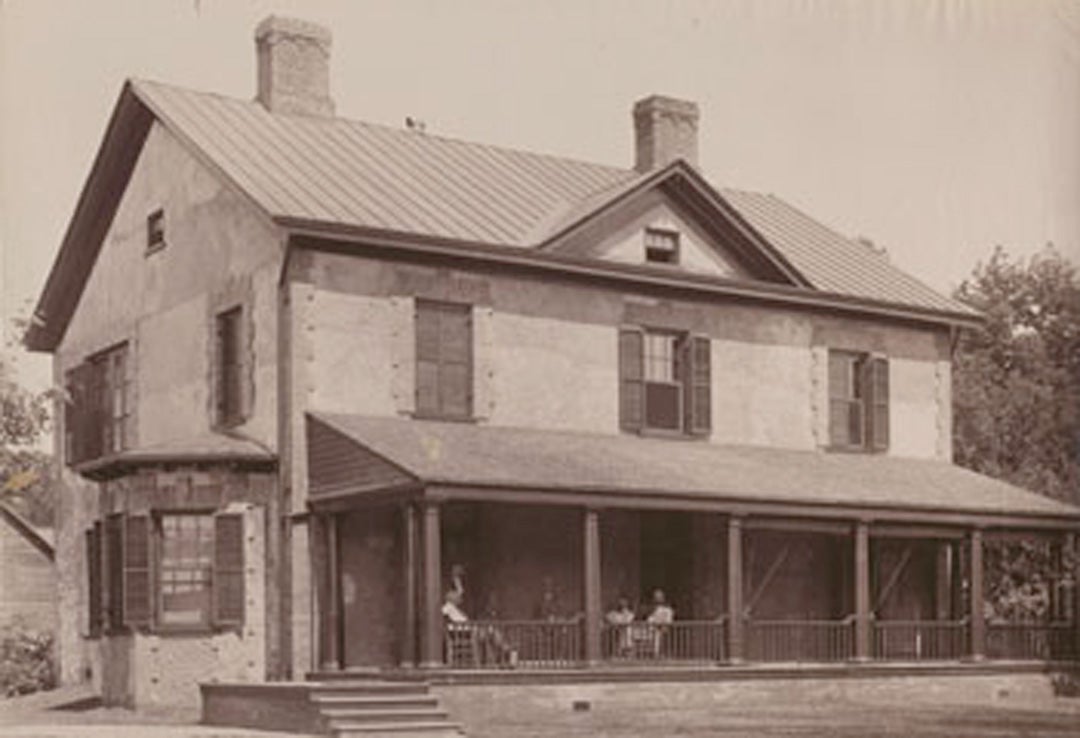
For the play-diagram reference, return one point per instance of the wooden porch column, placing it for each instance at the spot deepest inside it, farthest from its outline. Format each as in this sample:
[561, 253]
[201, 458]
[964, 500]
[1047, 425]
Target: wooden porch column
[431, 632]
[943, 580]
[410, 569]
[735, 589]
[332, 574]
[592, 585]
[862, 591]
[975, 606]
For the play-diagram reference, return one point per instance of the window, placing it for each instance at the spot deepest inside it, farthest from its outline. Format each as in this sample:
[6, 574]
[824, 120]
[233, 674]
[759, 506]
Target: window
[98, 412]
[155, 231]
[229, 367]
[444, 357]
[170, 570]
[858, 401]
[661, 246]
[664, 381]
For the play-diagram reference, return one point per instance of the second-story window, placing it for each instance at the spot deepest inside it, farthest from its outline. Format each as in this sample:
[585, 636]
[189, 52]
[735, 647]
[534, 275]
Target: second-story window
[858, 401]
[664, 381]
[229, 369]
[444, 358]
[97, 416]
[155, 231]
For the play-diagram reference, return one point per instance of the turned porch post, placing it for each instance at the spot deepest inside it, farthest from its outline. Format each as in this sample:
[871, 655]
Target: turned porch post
[975, 604]
[592, 585]
[410, 567]
[862, 590]
[431, 633]
[734, 589]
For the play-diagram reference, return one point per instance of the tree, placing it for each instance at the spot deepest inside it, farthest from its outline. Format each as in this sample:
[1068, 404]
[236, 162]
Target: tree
[1016, 380]
[26, 478]
[1016, 400]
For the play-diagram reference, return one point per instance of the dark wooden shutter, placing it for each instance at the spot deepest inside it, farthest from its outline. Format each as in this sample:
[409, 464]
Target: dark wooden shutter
[877, 402]
[631, 378]
[94, 594]
[698, 386]
[77, 415]
[228, 578]
[113, 572]
[138, 591]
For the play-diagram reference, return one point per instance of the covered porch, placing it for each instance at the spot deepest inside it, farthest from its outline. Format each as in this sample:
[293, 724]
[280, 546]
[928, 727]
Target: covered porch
[765, 556]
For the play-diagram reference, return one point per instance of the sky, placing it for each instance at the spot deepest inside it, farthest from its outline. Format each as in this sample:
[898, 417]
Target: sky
[935, 128]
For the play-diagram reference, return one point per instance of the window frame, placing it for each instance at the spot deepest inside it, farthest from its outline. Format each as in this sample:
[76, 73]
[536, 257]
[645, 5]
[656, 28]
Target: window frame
[205, 620]
[438, 309]
[98, 412]
[662, 242]
[688, 349]
[155, 231]
[869, 392]
[229, 376]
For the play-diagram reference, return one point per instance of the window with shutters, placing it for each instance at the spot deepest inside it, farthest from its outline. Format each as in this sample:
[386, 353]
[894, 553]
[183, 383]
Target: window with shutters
[173, 570]
[229, 367]
[97, 414]
[444, 360]
[664, 382]
[858, 401]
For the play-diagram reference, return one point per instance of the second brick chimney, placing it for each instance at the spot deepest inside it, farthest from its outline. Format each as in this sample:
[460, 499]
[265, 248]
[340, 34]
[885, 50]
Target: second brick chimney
[665, 130]
[293, 66]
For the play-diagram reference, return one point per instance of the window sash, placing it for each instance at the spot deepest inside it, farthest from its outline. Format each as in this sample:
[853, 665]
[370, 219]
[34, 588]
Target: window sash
[444, 359]
[184, 569]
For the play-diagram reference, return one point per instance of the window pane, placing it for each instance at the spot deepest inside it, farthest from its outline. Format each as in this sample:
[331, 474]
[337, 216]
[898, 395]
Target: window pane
[454, 389]
[659, 357]
[427, 387]
[662, 406]
[187, 551]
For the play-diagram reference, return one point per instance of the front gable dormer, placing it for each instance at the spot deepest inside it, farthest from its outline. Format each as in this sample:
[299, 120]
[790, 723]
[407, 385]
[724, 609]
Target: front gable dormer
[672, 220]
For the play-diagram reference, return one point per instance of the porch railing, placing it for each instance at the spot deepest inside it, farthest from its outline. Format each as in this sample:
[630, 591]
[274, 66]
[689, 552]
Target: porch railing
[1031, 641]
[540, 644]
[800, 640]
[920, 640]
[684, 641]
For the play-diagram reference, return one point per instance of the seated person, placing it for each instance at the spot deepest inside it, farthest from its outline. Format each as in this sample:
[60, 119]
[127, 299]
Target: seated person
[488, 638]
[620, 618]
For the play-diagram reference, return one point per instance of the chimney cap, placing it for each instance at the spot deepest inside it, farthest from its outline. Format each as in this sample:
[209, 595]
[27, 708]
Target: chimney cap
[279, 25]
[665, 104]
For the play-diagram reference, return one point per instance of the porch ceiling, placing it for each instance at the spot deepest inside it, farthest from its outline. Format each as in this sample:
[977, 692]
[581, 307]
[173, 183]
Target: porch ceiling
[464, 454]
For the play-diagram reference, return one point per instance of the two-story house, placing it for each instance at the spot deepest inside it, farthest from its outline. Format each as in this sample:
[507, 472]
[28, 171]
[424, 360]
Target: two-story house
[327, 378]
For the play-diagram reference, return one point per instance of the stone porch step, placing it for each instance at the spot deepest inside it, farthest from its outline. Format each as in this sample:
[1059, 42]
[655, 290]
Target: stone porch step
[416, 729]
[374, 702]
[341, 716]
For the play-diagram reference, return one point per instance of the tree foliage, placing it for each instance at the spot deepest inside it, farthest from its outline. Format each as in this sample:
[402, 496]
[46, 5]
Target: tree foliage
[26, 478]
[1016, 394]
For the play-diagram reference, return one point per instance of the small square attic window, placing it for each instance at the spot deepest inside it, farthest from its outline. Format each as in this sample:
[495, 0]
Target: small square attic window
[661, 246]
[155, 230]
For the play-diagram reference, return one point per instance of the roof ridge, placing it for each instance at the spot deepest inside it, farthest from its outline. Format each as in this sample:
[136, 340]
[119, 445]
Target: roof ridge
[555, 158]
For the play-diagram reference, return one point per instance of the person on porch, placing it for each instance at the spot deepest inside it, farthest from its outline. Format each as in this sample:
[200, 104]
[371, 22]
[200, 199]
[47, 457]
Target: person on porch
[659, 619]
[620, 618]
[482, 643]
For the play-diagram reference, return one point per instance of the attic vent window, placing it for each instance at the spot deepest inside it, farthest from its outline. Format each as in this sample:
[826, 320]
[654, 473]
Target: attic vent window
[155, 230]
[661, 246]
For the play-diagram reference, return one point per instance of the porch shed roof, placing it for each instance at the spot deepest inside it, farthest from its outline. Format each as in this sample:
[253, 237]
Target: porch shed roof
[351, 454]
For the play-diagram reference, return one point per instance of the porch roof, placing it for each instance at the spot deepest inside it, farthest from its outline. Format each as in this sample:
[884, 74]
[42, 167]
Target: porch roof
[353, 454]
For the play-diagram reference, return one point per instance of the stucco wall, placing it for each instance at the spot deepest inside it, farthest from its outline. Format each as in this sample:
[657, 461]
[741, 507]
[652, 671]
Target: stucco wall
[219, 251]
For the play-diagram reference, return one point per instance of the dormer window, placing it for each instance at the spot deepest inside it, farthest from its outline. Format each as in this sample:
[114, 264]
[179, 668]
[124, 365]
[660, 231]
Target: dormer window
[155, 231]
[661, 246]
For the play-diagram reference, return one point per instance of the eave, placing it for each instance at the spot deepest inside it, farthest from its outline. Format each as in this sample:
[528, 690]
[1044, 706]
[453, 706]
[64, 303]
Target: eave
[336, 237]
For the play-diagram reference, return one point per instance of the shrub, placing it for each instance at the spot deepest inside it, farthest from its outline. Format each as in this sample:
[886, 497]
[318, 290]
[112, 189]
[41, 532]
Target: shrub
[26, 660]
[1066, 684]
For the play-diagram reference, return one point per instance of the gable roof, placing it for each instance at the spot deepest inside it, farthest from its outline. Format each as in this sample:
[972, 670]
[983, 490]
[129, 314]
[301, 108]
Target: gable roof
[334, 173]
[394, 451]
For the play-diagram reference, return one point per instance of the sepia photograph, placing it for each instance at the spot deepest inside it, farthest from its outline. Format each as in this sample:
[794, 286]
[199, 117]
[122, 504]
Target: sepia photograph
[539, 368]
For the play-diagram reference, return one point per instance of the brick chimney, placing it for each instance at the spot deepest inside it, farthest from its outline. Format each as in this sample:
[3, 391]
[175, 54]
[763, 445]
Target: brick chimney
[293, 66]
[665, 130]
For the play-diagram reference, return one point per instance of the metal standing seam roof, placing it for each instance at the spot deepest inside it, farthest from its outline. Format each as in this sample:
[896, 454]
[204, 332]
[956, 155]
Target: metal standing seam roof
[343, 172]
[465, 454]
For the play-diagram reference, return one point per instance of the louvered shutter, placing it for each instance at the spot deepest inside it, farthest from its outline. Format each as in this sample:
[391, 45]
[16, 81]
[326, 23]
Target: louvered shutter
[698, 386]
[94, 595]
[877, 404]
[631, 378]
[113, 572]
[228, 578]
[138, 597]
[76, 415]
